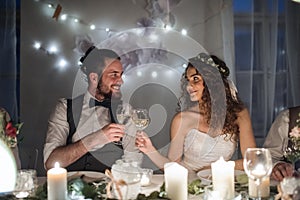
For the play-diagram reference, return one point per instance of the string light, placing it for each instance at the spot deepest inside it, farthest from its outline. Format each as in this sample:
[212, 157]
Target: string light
[64, 17]
[37, 45]
[62, 63]
[184, 32]
[154, 74]
[92, 27]
[139, 73]
[53, 49]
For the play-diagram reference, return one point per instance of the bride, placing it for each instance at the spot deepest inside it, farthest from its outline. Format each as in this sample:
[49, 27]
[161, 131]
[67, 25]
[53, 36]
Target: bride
[211, 120]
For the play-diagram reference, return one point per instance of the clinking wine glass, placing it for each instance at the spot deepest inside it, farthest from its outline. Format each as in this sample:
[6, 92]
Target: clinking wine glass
[140, 118]
[123, 113]
[257, 165]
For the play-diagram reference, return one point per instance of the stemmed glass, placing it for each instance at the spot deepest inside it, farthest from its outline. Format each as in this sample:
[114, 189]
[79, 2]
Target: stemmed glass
[123, 113]
[140, 118]
[258, 165]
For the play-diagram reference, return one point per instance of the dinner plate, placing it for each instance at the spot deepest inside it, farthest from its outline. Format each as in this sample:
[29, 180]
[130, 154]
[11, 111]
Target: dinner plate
[88, 175]
[206, 176]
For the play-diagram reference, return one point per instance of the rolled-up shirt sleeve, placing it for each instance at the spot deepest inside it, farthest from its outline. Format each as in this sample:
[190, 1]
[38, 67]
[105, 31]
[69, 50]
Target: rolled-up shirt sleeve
[277, 133]
[58, 128]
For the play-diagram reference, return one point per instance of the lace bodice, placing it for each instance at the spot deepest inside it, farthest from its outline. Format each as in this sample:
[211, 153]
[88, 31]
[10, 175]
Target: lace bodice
[201, 150]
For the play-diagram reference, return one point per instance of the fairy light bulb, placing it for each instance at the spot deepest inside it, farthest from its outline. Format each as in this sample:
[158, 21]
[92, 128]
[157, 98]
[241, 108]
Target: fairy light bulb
[53, 49]
[62, 63]
[92, 27]
[139, 73]
[63, 17]
[37, 45]
[154, 74]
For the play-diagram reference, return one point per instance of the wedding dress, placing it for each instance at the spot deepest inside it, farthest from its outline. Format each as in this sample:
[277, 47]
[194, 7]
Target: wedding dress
[200, 150]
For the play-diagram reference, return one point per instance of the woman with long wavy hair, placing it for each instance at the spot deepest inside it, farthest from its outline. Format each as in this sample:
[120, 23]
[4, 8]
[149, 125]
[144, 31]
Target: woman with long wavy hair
[210, 122]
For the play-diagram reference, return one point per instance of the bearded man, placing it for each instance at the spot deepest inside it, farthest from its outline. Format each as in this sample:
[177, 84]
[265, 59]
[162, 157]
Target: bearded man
[82, 132]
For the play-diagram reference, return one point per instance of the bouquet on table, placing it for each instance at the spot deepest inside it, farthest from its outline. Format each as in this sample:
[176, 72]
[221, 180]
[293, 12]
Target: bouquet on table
[8, 130]
[291, 147]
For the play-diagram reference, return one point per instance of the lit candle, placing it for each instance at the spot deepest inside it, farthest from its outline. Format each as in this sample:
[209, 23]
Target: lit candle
[146, 177]
[223, 178]
[259, 171]
[264, 188]
[145, 180]
[176, 181]
[57, 183]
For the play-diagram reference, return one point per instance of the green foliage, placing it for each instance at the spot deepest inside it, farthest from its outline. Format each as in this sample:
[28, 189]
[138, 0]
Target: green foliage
[196, 187]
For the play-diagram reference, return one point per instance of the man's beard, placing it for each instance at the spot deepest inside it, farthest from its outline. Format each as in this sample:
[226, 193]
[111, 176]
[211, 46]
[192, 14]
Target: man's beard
[105, 92]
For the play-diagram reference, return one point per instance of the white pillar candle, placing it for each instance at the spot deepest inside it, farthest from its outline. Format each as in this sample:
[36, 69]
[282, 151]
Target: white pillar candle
[223, 178]
[176, 180]
[57, 183]
[264, 188]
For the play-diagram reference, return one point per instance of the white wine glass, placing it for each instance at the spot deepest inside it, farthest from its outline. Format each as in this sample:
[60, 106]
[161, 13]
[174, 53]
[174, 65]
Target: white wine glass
[258, 165]
[140, 118]
[123, 113]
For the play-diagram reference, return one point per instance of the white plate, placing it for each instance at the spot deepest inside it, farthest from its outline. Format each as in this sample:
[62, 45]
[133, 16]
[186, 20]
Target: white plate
[90, 174]
[206, 177]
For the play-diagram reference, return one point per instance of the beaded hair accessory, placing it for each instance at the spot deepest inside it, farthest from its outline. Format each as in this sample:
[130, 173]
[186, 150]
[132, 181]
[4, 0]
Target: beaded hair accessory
[223, 69]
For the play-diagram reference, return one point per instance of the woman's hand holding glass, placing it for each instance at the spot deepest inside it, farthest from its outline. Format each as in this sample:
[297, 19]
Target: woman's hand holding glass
[141, 120]
[143, 142]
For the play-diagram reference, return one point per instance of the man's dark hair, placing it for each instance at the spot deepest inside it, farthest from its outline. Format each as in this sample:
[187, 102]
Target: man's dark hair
[93, 60]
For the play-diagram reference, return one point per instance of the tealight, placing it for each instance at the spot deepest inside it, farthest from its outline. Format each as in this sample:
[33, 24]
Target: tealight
[146, 177]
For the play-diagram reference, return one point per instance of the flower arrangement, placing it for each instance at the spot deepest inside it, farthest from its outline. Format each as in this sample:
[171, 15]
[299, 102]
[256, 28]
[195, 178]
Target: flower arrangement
[8, 130]
[292, 146]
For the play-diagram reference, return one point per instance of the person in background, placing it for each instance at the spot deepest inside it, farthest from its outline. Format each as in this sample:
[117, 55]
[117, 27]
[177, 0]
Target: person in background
[278, 133]
[82, 131]
[200, 134]
[4, 120]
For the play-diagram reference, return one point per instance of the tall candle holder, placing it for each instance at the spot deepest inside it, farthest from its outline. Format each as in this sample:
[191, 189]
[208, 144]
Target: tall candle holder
[257, 165]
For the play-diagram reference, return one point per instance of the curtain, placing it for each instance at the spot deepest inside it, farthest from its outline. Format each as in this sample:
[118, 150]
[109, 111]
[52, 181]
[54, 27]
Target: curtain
[267, 60]
[8, 69]
[293, 50]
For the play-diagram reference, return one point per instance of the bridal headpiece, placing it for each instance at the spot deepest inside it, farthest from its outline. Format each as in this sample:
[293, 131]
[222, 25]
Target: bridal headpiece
[222, 68]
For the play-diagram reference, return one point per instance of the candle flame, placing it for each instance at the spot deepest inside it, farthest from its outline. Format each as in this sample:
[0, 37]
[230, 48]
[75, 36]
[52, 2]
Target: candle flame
[56, 165]
[222, 159]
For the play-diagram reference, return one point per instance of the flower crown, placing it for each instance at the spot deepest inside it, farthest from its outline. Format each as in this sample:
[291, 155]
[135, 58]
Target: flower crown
[223, 69]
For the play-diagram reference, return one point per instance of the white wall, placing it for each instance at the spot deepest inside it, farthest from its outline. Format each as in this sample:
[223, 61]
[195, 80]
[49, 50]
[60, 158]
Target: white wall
[42, 82]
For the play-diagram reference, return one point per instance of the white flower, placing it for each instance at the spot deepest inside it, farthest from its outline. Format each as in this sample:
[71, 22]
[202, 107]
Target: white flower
[295, 132]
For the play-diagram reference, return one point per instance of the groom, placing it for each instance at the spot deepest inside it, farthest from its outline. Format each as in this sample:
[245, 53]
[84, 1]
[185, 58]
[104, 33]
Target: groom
[81, 133]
